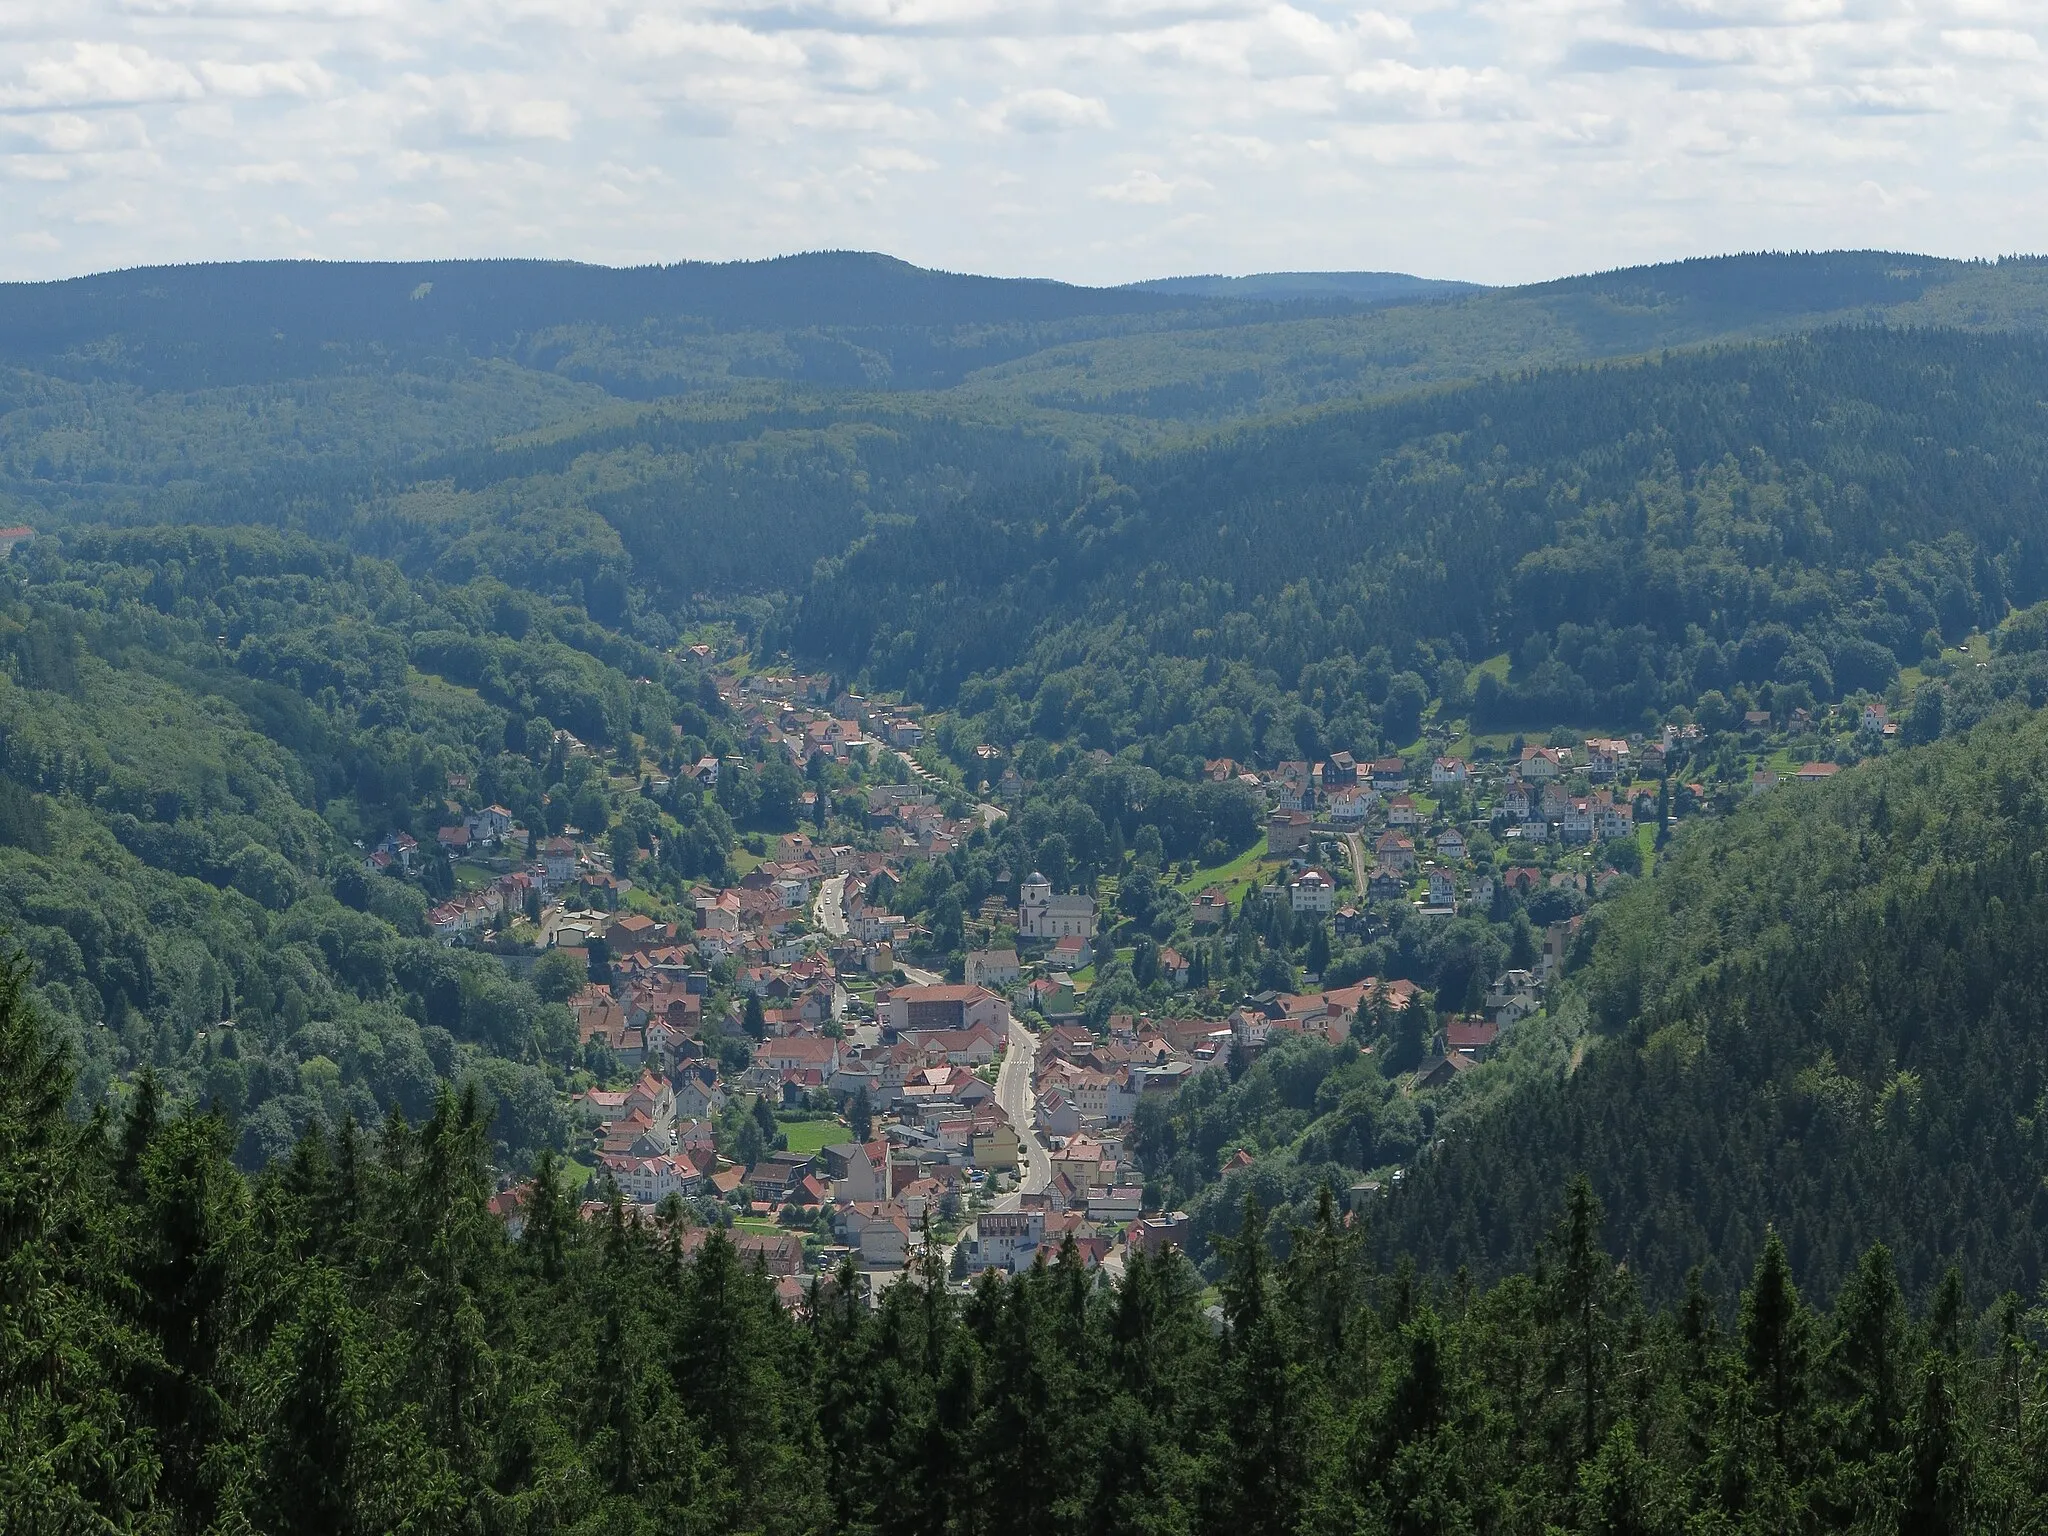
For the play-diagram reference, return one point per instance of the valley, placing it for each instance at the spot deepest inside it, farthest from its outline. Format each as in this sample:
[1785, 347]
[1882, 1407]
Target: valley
[788, 891]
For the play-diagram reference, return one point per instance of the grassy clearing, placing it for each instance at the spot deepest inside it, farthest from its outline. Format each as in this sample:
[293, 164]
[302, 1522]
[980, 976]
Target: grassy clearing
[808, 1137]
[1237, 876]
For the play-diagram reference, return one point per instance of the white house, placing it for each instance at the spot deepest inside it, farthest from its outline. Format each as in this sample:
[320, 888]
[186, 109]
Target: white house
[1008, 1240]
[1312, 891]
[993, 968]
[492, 824]
[1448, 772]
[1350, 805]
[558, 860]
[1606, 758]
[650, 1180]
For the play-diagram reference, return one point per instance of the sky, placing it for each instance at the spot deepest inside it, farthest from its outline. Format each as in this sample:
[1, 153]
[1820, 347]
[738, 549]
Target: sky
[1097, 141]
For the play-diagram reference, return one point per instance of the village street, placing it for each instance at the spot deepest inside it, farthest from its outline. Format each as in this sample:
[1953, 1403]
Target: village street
[1013, 1093]
[832, 906]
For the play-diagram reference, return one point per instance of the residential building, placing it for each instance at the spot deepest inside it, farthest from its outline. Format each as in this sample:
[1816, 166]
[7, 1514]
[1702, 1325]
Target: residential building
[1071, 954]
[1394, 853]
[558, 860]
[995, 1148]
[854, 1171]
[796, 1053]
[650, 1180]
[1287, 833]
[1350, 805]
[1444, 1070]
[880, 1230]
[1210, 909]
[1008, 1240]
[1312, 891]
[1609, 759]
[993, 968]
[1471, 1037]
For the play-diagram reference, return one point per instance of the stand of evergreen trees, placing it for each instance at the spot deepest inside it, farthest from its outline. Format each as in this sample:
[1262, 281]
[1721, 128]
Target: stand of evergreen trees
[351, 1343]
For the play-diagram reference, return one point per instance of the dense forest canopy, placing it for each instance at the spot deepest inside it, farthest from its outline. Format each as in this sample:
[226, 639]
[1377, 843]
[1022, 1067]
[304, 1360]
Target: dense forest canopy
[351, 1343]
[1824, 1013]
[201, 732]
[1810, 513]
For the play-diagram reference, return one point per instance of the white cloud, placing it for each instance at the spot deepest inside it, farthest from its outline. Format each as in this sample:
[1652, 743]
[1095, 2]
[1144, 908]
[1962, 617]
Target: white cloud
[885, 158]
[274, 77]
[1145, 185]
[1992, 43]
[1049, 109]
[98, 74]
[1093, 139]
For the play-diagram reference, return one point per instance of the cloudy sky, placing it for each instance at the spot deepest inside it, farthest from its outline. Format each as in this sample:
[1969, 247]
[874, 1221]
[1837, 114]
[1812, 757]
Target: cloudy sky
[1094, 140]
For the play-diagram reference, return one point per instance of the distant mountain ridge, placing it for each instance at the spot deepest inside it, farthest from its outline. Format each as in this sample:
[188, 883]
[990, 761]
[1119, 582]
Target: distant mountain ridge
[496, 299]
[1176, 348]
[233, 321]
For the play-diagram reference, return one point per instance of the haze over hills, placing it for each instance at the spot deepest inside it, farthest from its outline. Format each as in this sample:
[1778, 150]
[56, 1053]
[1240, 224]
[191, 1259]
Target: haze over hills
[1366, 287]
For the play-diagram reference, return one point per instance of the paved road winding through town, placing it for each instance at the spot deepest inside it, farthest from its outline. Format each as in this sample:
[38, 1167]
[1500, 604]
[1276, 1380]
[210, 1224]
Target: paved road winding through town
[832, 906]
[1013, 1093]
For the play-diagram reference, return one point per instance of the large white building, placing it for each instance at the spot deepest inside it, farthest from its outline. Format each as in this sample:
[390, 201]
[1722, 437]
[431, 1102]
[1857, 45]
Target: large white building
[1312, 891]
[946, 1007]
[1042, 915]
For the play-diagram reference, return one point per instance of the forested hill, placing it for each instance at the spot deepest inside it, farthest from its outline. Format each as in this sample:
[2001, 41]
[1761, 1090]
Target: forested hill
[203, 732]
[257, 322]
[1826, 1014]
[1813, 512]
[711, 431]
